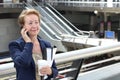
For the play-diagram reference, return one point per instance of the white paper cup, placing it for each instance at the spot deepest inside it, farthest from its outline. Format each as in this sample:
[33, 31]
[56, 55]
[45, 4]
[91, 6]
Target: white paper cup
[41, 63]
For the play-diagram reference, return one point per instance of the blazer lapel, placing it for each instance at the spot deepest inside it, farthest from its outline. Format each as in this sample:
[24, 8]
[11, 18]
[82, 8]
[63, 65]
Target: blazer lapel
[43, 49]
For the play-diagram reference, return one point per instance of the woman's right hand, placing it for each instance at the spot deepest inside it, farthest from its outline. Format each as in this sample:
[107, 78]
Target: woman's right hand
[25, 35]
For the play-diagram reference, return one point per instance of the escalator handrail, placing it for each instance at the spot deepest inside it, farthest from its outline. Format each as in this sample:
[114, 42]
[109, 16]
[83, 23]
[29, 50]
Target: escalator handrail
[64, 18]
[50, 30]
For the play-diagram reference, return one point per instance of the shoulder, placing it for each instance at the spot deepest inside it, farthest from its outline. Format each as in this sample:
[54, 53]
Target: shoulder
[18, 41]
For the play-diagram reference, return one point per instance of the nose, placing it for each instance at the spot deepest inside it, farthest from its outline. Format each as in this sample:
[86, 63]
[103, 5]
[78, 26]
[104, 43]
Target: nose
[34, 25]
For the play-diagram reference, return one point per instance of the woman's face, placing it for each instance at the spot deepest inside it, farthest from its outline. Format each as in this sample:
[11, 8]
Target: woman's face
[32, 24]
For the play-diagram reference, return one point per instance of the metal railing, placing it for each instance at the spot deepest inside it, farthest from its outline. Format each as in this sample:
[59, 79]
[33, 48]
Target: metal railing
[86, 53]
[11, 5]
[74, 56]
[83, 53]
[79, 3]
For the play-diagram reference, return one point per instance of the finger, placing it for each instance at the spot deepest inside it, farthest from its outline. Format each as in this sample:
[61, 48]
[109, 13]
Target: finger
[24, 31]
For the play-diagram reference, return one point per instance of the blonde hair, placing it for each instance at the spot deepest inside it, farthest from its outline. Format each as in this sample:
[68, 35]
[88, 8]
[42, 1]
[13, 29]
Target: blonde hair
[27, 12]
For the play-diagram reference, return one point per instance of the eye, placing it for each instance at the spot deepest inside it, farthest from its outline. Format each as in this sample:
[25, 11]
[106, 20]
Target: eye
[36, 22]
[30, 23]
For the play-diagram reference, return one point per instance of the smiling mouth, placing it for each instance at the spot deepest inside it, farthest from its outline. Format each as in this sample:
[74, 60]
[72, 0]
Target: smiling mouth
[34, 30]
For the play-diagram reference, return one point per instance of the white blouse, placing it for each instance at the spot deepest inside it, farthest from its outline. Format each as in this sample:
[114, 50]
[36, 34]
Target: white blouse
[36, 57]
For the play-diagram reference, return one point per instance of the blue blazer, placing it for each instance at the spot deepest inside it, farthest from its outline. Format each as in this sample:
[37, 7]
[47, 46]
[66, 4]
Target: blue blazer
[21, 54]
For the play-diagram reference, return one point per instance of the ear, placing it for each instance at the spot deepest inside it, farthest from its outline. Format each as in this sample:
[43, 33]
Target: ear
[21, 26]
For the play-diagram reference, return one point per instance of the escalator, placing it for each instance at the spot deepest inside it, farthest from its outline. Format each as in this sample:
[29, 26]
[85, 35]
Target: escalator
[62, 20]
[61, 23]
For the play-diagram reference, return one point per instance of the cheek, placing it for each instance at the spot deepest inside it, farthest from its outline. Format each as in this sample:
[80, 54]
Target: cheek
[39, 27]
[27, 27]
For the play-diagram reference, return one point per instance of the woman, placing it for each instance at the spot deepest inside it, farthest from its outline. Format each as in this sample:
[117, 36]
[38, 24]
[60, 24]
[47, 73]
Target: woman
[29, 48]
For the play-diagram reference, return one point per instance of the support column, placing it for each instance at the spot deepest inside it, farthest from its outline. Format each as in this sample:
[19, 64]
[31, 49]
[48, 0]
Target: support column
[92, 22]
[105, 17]
[105, 20]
